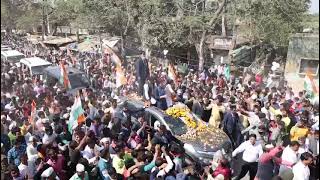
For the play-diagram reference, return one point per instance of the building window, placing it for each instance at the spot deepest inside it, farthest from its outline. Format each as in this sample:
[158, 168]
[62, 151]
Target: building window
[309, 65]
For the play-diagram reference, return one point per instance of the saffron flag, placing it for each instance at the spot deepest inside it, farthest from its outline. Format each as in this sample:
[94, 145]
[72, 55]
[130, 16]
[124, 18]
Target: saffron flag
[120, 75]
[64, 79]
[76, 115]
[310, 86]
[172, 73]
[33, 112]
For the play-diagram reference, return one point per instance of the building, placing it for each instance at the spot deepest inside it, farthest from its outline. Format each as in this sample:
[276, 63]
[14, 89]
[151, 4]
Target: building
[303, 57]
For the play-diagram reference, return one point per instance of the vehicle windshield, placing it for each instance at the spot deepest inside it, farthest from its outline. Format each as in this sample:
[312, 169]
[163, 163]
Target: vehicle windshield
[78, 81]
[176, 125]
[14, 59]
[38, 69]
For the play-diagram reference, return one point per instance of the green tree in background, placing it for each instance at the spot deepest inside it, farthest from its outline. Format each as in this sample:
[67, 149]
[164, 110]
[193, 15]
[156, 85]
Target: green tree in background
[271, 21]
[165, 24]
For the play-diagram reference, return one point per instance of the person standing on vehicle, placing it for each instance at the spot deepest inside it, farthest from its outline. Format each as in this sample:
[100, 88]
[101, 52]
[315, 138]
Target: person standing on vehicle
[251, 154]
[160, 96]
[231, 126]
[142, 72]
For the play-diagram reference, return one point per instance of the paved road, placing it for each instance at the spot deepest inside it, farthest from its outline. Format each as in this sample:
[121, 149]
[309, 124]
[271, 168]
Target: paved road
[236, 166]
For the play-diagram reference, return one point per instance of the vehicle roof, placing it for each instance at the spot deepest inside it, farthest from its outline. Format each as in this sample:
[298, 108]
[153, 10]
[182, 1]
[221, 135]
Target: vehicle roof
[34, 61]
[11, 53]
[55, 71]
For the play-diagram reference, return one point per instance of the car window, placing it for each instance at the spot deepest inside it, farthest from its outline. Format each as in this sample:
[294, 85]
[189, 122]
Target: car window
[176, 125]
[153, 119]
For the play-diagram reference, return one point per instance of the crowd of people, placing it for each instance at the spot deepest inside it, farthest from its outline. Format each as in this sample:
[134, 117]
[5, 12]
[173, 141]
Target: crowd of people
[274, 132]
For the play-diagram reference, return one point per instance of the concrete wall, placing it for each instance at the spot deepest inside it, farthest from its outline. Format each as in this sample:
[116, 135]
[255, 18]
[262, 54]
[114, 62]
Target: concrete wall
[302, 45]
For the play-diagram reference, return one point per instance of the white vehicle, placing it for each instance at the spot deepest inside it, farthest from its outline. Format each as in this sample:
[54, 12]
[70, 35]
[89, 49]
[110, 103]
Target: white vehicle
[35, 65]
[11, 56]
[5, 48]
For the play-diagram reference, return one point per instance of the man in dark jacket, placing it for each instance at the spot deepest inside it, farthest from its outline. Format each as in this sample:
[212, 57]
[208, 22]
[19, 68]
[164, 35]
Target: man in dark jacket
[231, 126]
[142, 72]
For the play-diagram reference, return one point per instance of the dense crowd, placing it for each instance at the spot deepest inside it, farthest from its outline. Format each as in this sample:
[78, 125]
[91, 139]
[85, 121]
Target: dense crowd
[273, 130]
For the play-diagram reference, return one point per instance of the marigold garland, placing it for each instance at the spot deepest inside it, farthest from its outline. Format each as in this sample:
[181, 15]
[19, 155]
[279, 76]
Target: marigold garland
[184, 113]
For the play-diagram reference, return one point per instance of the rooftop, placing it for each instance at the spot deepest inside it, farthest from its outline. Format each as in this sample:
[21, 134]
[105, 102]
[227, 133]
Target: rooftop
[11, 53]
[35, 61]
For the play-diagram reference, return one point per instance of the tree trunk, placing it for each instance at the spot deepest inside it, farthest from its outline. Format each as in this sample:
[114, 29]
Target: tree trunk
[48, 24]
[200, 51]
[212, 23]
[188, 55]
[223, 24]
[77, 34]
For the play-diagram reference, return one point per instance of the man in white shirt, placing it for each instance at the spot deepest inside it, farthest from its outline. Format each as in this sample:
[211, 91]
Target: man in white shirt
[251, 154]
[49, 136]
[24, 170]
[32, 149]
[301, 170]
[290, 154]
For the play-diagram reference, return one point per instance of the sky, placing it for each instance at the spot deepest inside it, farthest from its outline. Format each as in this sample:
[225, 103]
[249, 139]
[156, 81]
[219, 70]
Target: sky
[314, 6]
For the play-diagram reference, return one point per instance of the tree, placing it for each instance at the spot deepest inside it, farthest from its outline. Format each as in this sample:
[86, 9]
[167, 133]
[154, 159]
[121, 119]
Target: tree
[271, 21]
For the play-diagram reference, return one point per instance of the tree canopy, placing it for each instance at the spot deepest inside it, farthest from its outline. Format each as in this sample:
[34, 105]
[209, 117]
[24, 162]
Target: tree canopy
[165, 24]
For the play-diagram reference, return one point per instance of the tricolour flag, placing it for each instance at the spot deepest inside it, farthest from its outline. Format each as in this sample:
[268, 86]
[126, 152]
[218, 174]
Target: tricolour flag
[76, 115]
[33, 112]
[172, 73]
[310, 86]
[64, 79]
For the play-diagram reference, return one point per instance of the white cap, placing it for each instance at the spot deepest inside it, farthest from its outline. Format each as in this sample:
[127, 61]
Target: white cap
[66, 116]
[269, 146]
[47, 173]
[157, 125]
[104, 140]
[45, 120]
[80, 168]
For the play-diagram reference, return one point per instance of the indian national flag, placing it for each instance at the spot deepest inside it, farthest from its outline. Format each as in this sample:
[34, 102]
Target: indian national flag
[33, 112]
[172, 74]
[310, 86]
[64, 79]
[76, 115]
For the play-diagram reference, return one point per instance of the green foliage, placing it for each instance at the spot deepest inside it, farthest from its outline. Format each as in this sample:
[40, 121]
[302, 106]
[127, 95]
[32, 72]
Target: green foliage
[165, 24]
[272, 21]
[311, 21]
[29, 18]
